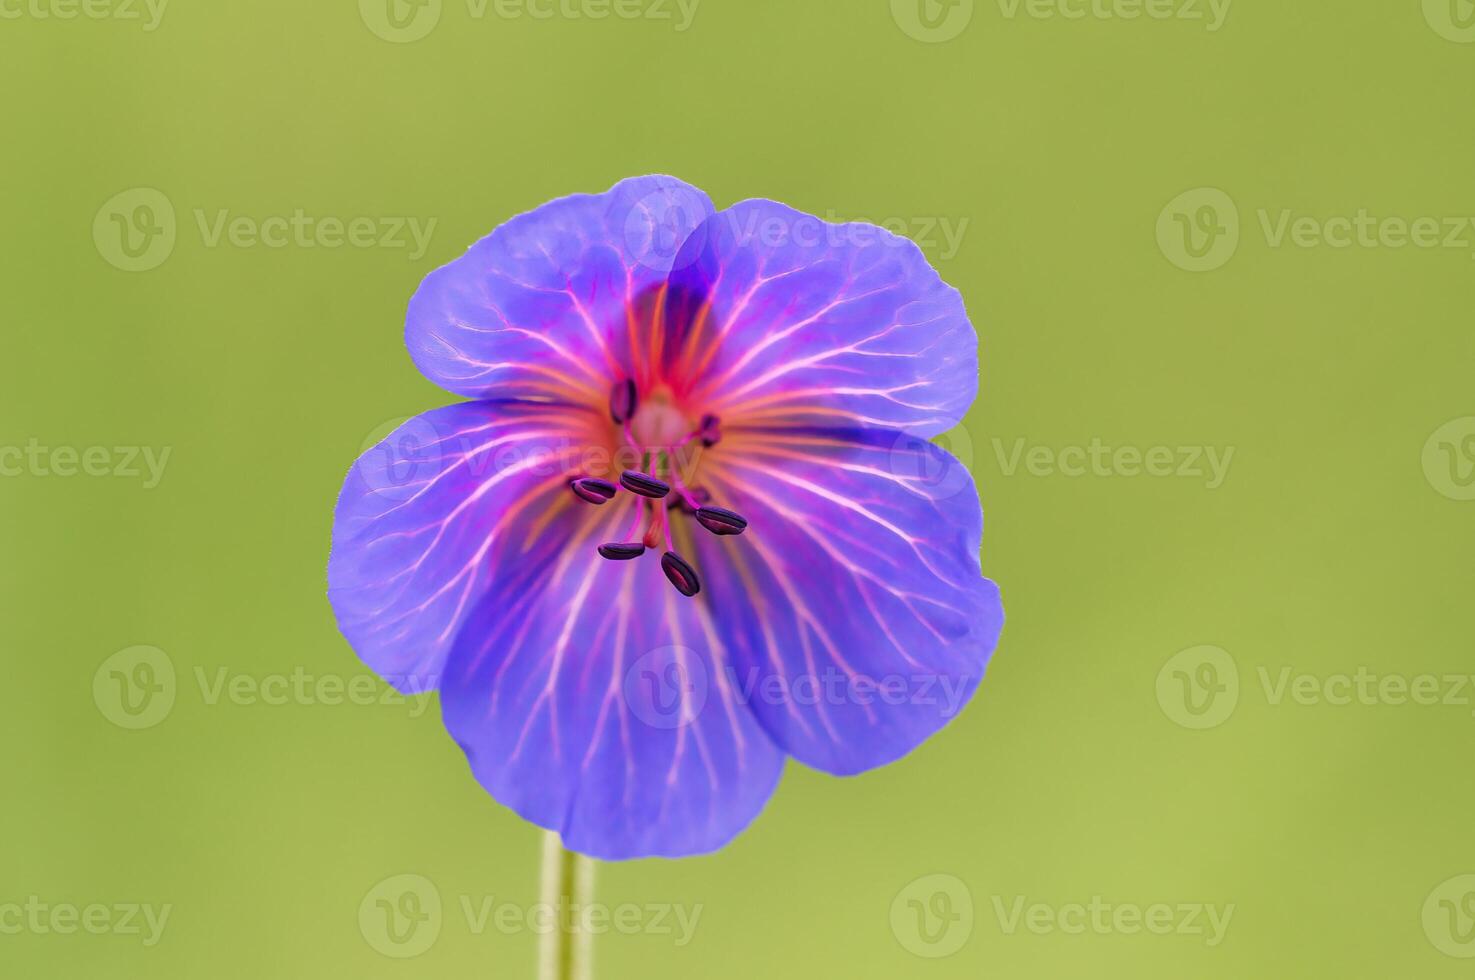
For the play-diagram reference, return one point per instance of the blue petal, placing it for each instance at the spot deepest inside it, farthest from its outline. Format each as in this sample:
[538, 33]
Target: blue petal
[418, 518]
[590, 698]
[783, 318]
[542, 307]
[860, 622]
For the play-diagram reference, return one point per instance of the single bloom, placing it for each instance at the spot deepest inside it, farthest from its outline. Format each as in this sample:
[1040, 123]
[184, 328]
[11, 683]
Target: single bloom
[689, 522]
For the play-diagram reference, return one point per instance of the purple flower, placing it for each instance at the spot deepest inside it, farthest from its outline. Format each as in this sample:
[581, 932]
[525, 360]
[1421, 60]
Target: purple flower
[689, 524]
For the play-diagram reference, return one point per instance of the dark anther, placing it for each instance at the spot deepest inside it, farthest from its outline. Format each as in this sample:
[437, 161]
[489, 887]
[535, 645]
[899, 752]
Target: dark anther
[593, 490]
[622, 401]
[643, 484]
[711, 430]
[682, 575]
[621, 552]
[720, 520]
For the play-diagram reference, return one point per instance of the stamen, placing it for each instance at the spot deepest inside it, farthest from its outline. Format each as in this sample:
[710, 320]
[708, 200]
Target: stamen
[622, 401]
[658, 479]
[593, 490]
[680, 574]
[721, 521]
[643, 484]
[622, 552]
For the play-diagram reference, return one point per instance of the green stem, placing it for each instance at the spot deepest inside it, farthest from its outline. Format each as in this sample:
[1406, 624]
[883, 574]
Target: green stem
[568, 888]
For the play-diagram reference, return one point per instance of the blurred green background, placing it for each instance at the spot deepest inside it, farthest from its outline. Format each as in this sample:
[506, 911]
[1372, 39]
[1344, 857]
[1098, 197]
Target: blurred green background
[1121, 201]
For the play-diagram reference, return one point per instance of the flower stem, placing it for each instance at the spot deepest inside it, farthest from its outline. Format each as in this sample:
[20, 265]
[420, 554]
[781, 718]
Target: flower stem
[567, 888]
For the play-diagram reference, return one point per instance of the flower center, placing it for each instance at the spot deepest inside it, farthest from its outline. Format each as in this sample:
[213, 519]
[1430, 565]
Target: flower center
[657, 423]
[665, 441]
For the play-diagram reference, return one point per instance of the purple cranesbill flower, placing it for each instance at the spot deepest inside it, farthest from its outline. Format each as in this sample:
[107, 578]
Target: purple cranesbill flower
[689, 523]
